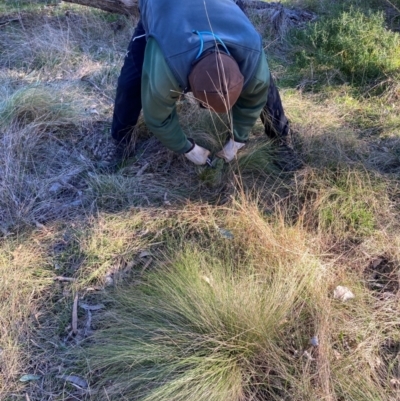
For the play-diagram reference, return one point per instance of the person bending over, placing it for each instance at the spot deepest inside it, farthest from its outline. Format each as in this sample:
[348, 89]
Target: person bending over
[206, 47]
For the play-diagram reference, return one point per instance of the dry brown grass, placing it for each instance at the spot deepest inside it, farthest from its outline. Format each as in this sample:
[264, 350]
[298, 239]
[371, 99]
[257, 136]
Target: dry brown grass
[24, 282]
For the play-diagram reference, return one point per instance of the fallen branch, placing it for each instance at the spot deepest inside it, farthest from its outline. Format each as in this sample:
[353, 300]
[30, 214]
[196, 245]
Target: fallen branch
[6, 22]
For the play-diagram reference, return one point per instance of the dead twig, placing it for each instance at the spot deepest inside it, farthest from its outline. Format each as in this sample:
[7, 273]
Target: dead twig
[75, 315]
[6, 22]
[62, 278]
[88, 325]
[147, 264]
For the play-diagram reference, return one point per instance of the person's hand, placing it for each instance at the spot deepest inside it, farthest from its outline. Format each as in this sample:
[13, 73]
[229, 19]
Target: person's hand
[229, 151]
[198, 155]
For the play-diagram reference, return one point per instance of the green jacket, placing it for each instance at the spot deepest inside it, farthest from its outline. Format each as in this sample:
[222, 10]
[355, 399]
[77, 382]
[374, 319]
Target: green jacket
[160, 91]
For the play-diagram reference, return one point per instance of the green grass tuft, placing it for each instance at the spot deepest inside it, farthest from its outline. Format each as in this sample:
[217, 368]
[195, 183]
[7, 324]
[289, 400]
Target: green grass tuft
[356, 44]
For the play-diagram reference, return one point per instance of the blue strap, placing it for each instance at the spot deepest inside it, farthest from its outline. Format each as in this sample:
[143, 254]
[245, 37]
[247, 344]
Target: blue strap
[216, 37]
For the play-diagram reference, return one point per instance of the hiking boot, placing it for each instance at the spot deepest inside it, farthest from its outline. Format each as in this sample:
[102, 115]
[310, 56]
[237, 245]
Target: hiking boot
[287, 158]
[115, 155]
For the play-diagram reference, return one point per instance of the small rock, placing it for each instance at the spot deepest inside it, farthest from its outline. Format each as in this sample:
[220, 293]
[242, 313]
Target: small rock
[225, 233]
[144, 254]
[395, 383]
[28, 378]
[342, 293]
[77, 381]
[307, 355]
[207, 279]
[56, 187]
[376, 262]
[109, 281]
[337, 354]
[314, 341]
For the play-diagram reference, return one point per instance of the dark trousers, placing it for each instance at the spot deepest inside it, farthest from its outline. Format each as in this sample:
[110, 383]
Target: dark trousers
[128, 103]
[273, 117]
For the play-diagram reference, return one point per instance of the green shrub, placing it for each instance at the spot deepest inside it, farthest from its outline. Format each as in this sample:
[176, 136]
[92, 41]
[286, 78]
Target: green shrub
[358, 45]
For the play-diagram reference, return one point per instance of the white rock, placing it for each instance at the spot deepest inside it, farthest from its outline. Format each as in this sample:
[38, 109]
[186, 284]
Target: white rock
[342, 293]
[109, 281]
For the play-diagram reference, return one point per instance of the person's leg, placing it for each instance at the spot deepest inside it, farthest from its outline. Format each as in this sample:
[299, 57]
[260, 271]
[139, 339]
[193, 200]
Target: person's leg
[273, 116]
[128, 103]
[276, 127]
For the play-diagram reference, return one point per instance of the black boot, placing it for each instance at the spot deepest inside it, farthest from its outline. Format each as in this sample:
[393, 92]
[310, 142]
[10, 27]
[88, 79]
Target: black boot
[287, 159]
[115, 155]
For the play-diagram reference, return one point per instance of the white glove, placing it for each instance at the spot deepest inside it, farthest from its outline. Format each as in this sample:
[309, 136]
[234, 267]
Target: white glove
[229, 151]
[198, 155]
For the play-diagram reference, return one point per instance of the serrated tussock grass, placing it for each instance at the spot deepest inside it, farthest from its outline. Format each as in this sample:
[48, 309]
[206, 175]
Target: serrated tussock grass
[41, 105]
[207, 323]
[232, 320]
[257, 158]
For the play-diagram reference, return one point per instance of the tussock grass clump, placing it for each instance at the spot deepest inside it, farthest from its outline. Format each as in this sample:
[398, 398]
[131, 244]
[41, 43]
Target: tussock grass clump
[208, 325]
[355, 43]
[40, 105]
[232, 319]
[206, 128]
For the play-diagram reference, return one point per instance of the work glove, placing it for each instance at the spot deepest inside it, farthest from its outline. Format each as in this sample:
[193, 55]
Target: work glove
[229, 151]
[197, 154]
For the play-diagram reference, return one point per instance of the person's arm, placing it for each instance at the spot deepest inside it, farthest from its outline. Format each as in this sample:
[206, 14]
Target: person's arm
[160, 91]
[251, 102]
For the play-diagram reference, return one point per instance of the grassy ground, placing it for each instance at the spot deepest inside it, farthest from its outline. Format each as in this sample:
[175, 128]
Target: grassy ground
[165, 281]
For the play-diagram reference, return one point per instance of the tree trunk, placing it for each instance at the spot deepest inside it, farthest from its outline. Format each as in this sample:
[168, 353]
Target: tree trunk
[127, 7]
[277, 17]
[130, 7]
